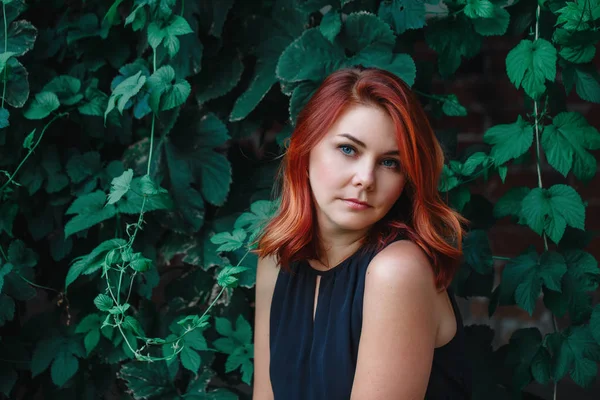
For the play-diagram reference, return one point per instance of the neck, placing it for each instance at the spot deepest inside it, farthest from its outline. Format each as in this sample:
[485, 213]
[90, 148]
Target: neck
[336, 248]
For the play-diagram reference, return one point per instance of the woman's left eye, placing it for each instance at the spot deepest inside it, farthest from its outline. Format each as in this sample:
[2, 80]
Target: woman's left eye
[390, 163]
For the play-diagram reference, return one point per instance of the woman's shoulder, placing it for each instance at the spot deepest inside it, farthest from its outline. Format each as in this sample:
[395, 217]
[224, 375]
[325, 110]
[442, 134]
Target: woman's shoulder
[402, 263]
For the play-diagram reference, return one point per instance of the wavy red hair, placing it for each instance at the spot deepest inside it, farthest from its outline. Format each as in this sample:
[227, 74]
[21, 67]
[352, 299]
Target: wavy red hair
[419, 214]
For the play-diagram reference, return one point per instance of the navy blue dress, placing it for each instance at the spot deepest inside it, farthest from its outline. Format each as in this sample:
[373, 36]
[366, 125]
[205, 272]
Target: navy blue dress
[311, 361]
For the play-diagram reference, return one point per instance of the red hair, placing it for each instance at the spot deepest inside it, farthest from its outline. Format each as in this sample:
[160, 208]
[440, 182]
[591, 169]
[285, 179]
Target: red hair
[419, 214]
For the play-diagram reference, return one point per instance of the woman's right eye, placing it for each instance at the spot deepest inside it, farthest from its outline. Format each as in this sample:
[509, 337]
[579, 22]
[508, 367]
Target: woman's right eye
[348, 150]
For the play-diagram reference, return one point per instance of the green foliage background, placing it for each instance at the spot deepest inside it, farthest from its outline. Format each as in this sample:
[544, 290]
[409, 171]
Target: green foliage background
[139, 141]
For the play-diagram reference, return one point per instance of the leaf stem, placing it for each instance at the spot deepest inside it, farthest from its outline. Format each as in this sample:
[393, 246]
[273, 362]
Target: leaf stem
[36, 285]
[10, 179]
[3, 253]
[5, 50]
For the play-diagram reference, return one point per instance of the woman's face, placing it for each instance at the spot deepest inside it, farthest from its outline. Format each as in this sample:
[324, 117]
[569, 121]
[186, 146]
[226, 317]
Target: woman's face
[354, 171]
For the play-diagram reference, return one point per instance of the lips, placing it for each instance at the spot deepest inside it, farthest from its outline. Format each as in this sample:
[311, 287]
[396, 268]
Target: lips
[358, 202]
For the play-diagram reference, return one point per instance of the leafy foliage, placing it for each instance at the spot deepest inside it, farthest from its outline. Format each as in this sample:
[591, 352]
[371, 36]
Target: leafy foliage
[136, 165]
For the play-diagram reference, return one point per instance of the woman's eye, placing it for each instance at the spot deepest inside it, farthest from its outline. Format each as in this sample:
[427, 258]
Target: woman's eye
[390, 163]
[346, 149]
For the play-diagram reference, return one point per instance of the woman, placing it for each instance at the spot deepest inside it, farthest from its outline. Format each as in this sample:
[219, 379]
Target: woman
[352, 297]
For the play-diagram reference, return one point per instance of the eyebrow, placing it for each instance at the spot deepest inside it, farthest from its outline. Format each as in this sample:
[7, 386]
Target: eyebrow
[361, 144]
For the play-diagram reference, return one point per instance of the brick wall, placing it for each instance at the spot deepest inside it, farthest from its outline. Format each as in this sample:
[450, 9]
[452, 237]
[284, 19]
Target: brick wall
[482, 86]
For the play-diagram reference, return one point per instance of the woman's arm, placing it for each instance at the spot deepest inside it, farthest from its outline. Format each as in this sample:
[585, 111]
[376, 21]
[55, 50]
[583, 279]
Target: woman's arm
[399, 326]
[266, 277]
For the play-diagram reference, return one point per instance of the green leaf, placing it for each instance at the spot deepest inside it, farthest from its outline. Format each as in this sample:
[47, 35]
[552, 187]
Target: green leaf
[89, 323]
[479, 9]
[229, 241]
[42, 106]
[7, 309]
[190, 359]
[243, 330]
[4, 58]
[4, 115]
[224, 326]
[309, 57]
[551, 210]
[91, 211]
[119, 186]
[586, 80]
[4, 270]
[137, 18]
[67, 89]
[595, 324]
[220, 11]
[155, 35]
[452, 107]
[147, 380]
[93, 261]
[477, 252]
[20, 256]
[510, 203]
[403, 15]
[17, 84]
[81, 166]
[149, 188]
[103, 302]
[509, 140]
[570, 349]
[164, 95]
[65, 365]
[566, 142]
[453, 39]
[578, 54]
[127, 89]
[576, 17]
[530, 64]
[582, 277]
[8, 212]
[495, 25]
[28, 142]
[219, 75]
[331, 25]
[226, 277]
[21, 37]
[45, 351]
[525, 344]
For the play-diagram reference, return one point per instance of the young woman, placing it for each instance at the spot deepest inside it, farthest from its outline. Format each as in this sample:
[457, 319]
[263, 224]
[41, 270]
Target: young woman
[352, 296]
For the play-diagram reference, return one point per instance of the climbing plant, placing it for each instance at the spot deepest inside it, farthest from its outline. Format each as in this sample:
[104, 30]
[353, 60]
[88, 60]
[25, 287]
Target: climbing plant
[139, 143]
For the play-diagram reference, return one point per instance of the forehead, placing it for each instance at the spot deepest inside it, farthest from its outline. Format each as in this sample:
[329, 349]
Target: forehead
[371, 125]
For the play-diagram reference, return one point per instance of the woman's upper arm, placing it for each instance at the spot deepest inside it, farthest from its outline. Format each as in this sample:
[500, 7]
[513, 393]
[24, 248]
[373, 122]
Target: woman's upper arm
[266, 277]
[399, 326]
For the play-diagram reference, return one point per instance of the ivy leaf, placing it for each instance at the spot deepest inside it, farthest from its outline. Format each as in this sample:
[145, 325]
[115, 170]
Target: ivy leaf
[21, 37]
[551, 210]
[403, 15]
[17, 84]
[119, 186]
[452, 39]
[331, 25]
[66, 88]
[313, 52]
[581, 278]
[20, 256]
[7, 309]
[81, 166]
[229, 241]
[524, 276]
[510, 203]
[452, 107]
[62, 352]
[146, 380]
[477, 251]
[164, 94]
[586, 80]
[479, 9]
[238, 344]
[103, 302]
[4, 270]
[8, 212]
[42, 106]
[575, 17]
[496, 25]
[226, 277]
[92, 262]
[571, 349]
[220, 74]
[91, 211]
[566, 142]
[509, 140]
[530, 64]
[578, 54]
[4, 58]
[124, 91]
[4, 115]
[524, 345]
[137, 18]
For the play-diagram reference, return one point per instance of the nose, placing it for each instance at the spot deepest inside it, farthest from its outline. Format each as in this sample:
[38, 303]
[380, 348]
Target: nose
[364, 175]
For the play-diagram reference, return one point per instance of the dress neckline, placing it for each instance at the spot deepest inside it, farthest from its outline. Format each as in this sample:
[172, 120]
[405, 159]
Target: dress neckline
[337, 267]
